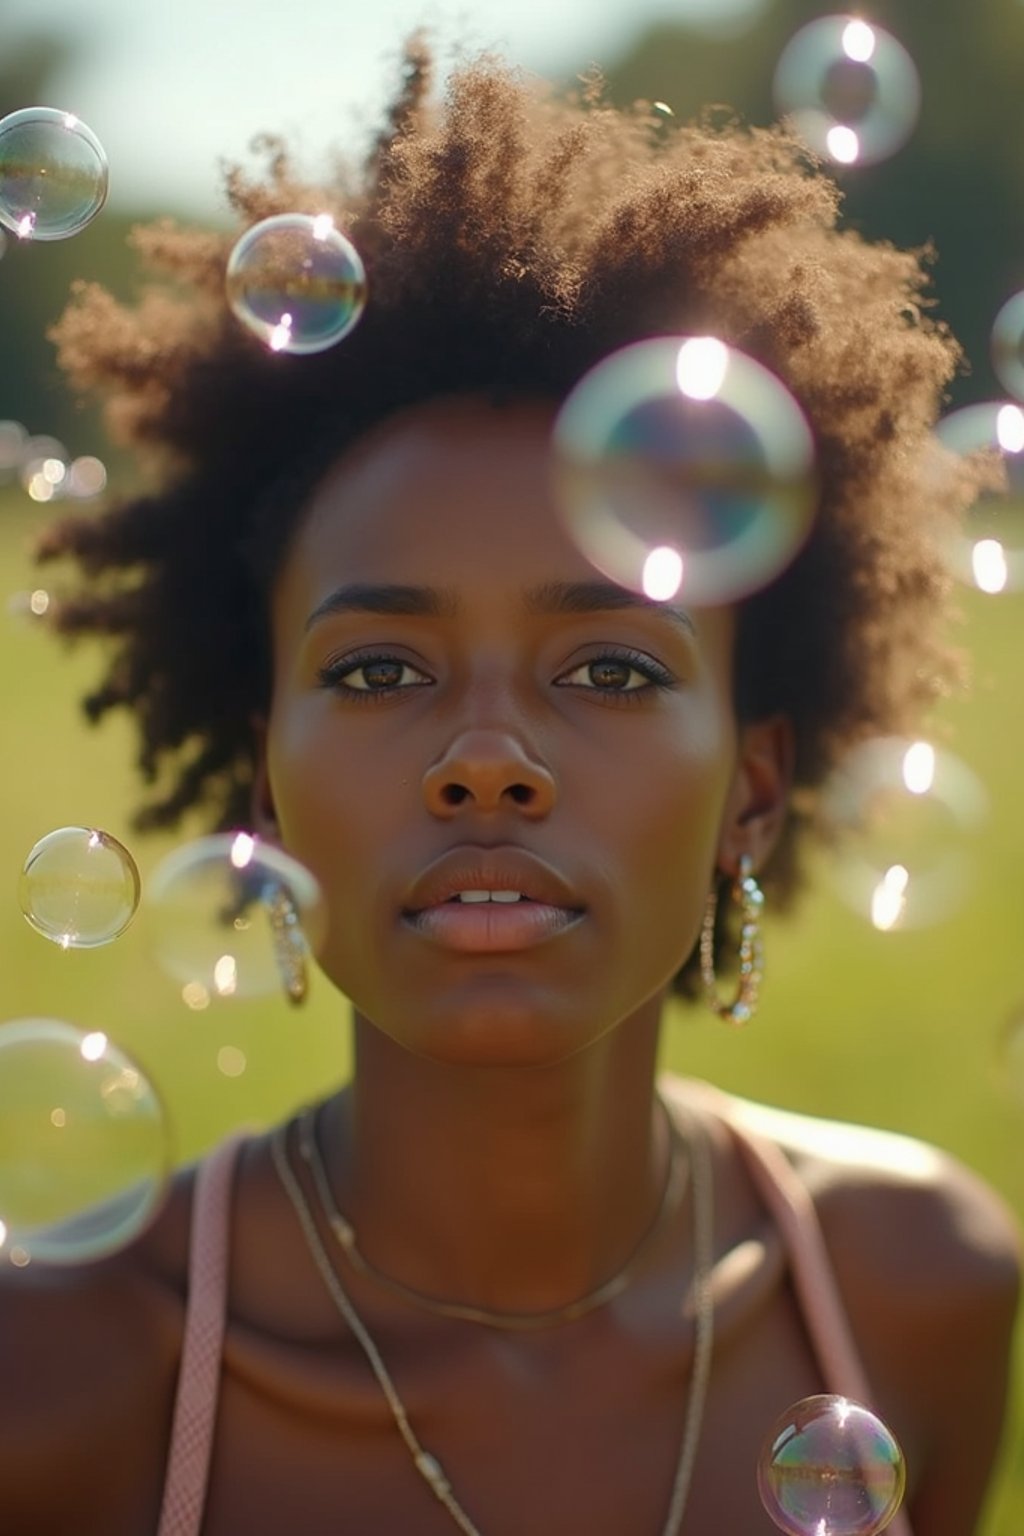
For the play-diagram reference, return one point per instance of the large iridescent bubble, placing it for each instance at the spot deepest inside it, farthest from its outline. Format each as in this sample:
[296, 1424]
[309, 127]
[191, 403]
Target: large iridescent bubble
[830, 1467]
[987, 552]
[53, 174]
[849, 89]
[683, 467]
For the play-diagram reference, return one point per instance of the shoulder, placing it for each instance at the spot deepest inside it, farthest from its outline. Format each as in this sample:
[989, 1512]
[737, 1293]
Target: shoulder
[927, 1259]
[89, 1357]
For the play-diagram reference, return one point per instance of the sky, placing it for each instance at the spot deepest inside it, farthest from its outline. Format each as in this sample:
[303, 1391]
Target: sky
[171, 87]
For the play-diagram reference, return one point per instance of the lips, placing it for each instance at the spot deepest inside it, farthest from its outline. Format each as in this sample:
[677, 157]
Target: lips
[490, 869]
[549, 906]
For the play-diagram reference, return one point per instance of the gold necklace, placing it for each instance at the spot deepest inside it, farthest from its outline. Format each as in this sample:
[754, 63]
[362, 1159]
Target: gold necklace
[344, 1232]
[428, 1466]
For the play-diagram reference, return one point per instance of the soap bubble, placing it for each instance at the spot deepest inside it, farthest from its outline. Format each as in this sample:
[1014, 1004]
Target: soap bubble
[296, 282]
[851, 90]
[53, 174]
[987, 552]
[219, 922]
[1008, 345]
[79, 887]
[683, 466]
[84, 1144]
[830, 1467]
[905, 813]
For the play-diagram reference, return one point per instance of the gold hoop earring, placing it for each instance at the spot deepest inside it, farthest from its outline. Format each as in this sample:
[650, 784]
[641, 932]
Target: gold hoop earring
[749, 897]
[288, 940]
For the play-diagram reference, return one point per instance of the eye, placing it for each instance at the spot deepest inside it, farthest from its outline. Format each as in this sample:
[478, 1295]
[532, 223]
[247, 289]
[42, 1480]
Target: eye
[369, 677]
[619, 672]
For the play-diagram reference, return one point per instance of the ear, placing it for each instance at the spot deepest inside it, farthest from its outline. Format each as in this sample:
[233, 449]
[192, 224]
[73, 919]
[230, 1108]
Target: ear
[758, 800]
[262, 815]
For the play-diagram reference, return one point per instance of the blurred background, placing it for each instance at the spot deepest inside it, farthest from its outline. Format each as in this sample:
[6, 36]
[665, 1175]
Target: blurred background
[919, 1030]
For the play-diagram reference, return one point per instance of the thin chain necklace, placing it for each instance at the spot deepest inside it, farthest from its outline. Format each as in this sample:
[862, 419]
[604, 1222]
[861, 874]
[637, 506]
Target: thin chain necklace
[675, 1183]
[428, 1466]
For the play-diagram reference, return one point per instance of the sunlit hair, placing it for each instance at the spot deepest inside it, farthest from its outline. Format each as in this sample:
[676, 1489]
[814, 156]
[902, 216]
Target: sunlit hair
[512, 238]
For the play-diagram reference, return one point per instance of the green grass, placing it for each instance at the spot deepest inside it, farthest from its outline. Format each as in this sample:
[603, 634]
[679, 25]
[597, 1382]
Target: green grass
[898, 1030]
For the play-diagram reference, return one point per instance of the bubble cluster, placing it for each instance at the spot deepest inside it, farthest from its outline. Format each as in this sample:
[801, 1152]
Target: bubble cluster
[830, 1467]
[987, 552]
[906, 814]
[851, 90]
[53, 174]
[85, 1149]
[79, 887]
[683, 467]
[296, 282]
[215, 918]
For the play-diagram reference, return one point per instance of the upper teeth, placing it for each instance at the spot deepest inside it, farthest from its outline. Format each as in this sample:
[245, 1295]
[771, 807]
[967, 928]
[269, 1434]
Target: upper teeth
[488, 896]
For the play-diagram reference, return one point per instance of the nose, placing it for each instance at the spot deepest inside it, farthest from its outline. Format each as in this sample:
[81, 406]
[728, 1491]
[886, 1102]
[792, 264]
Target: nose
[488, 771]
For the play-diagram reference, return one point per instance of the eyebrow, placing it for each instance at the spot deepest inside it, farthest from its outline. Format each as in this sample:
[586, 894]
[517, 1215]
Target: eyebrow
[550, 598]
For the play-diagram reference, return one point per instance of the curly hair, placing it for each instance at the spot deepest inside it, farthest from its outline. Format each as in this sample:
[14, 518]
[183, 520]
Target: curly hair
[512, 238]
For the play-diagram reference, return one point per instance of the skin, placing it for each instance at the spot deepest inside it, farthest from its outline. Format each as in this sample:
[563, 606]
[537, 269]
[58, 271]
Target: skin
[499, 1143]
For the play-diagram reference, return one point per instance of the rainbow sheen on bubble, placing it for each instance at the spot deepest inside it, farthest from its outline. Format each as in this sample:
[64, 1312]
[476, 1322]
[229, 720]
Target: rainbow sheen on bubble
[296, 282]
[850, 90]
[85, 1147]
[987, 550]
[683, 467]
[906, 815]
[830, 1467]
[211, 908]
[79, 886]
[53, 174]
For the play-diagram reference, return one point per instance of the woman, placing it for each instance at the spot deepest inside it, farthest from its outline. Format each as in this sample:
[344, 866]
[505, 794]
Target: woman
[563, 1296]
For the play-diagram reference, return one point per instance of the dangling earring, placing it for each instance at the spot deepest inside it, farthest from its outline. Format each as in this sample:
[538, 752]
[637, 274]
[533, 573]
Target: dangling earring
[288, 939]
[748, 895]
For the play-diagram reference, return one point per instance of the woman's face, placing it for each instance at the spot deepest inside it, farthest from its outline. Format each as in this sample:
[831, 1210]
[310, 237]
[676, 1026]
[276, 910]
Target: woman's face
[460, 699]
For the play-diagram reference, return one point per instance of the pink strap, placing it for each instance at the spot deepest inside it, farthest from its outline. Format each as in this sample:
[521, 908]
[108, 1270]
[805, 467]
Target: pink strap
[195, 1408]
[790, 1203]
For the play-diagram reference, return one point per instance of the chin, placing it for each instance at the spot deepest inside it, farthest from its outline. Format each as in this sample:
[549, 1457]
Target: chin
[496, 1025]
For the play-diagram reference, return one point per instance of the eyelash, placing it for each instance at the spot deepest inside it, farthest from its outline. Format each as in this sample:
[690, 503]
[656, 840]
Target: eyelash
[330, 676]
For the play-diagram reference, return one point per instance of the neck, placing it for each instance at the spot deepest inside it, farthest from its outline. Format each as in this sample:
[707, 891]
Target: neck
[516, 1190]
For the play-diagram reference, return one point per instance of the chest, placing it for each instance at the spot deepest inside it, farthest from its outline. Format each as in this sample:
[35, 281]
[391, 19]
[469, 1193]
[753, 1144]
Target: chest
[548, 1441]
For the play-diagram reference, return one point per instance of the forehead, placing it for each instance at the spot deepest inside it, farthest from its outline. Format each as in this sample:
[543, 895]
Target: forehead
[457, 490]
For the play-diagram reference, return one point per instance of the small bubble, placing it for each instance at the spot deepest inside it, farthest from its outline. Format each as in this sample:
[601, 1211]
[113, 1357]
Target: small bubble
[296, 282]
[79, 887]
[851, 90]
[53, 174]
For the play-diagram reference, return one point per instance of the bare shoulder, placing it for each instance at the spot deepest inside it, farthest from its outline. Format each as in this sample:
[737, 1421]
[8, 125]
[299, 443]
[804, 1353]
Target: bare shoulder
[89, 1357]
[927, 1258]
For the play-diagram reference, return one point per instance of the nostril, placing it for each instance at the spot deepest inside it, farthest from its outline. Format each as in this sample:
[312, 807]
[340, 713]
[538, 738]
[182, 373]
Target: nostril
[454, 794]
[522, 794]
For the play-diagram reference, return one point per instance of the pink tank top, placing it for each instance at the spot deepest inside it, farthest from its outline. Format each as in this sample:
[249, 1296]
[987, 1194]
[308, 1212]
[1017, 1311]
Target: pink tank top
[195, 1411]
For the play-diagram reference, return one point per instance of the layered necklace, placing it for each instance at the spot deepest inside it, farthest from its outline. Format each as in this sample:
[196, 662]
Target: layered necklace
[427, 1465]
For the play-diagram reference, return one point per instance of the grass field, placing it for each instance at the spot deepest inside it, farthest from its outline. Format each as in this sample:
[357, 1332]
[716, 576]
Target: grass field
[900, 1030]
